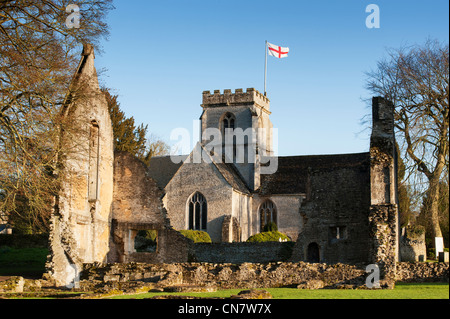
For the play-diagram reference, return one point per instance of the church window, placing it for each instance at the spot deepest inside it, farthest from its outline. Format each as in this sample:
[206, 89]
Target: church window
[198, 212]
[267, 213]
[228, 121]
[228, 125]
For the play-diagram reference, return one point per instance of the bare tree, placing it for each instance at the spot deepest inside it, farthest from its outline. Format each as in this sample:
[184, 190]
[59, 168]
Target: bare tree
[416, 80]
[38, 56]
[155, 147]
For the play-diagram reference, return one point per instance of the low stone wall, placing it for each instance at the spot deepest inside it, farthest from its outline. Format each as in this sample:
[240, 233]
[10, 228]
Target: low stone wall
[422, 272]
[248, 275]
[224, 276]
[238, 253]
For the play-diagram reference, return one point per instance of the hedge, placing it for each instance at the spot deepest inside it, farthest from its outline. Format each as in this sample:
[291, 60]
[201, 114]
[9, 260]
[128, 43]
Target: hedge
[268, 236]
[196, 235]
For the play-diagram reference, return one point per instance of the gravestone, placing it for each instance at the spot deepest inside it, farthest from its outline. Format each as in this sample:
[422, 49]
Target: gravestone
[439, 244]
[443, 257]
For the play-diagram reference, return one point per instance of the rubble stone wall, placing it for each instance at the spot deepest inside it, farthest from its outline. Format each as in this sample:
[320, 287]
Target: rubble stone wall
[253, 275]
[422, 272]
[242, 252]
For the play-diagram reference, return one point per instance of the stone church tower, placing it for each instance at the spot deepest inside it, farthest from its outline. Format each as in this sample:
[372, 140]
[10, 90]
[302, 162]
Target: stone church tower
[245, 115]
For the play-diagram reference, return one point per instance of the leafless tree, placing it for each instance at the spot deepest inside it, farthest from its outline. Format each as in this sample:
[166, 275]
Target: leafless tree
[38, 56]
[416, 80]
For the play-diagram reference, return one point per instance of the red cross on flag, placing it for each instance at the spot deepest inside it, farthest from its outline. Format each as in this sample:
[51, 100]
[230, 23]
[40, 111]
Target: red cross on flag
[277, 51]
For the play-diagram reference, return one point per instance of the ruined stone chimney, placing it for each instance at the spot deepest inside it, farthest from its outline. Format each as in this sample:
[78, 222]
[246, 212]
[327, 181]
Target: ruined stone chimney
[383, 216]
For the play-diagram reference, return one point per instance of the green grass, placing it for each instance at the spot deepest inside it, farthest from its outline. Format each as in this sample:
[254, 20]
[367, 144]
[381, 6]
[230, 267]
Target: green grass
[31, 262]
[22, 261]
[401, 291]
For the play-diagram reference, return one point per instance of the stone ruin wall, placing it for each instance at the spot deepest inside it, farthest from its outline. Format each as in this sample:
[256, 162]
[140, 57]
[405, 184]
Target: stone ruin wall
[251, 275]
[107, 198]
[79, 230]
[137, 205]
[412, 246]
[338, 197]
[383, 217]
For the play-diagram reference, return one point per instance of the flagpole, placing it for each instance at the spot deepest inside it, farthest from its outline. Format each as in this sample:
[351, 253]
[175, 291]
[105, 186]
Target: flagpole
[265, 71]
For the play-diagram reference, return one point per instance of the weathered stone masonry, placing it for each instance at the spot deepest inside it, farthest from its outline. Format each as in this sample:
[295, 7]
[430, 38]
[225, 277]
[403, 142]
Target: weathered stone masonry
[251, 275]
[137, 206]
[339, 209]
[383, 217]
[105, 198]
[80, 224]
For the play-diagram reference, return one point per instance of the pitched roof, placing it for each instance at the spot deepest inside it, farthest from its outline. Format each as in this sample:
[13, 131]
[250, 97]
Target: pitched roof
[162, 169]
[292, 174]
[227, 170]
[232, 177]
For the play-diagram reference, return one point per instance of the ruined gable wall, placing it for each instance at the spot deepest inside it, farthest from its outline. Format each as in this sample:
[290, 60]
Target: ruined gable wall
[80, 222]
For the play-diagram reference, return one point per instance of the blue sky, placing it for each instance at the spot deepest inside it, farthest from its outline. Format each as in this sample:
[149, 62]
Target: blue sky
[161, 56]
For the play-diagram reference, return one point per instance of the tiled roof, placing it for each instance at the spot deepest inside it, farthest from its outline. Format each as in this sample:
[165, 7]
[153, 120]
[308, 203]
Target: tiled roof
[232, 177]
[290, 178]
[162, 169]
[292, 174]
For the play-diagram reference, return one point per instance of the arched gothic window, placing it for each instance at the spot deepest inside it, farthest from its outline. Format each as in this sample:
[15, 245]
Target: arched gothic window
[197, 212]
[228, 121]
[267, 213]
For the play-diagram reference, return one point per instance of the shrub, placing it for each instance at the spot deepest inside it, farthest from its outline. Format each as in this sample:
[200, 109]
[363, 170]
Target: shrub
[146, 241]
[268, 236]
[270, 227]
[148, 234]
[197, 236]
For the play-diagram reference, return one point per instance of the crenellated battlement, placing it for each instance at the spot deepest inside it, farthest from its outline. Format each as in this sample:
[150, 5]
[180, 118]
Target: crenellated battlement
[239, 97]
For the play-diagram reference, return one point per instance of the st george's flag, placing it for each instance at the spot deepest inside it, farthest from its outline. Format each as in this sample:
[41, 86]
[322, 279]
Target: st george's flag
[277, 51]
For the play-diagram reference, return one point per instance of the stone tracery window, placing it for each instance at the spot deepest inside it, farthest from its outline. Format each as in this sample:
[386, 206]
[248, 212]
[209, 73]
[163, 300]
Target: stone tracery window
[267, 213]
[228, 121]
[227, 126]
[198, 212]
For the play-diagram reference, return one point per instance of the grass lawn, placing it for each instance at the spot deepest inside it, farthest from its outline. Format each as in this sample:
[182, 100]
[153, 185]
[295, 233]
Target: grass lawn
[30, 262]
[22, 261]
[401, 291]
